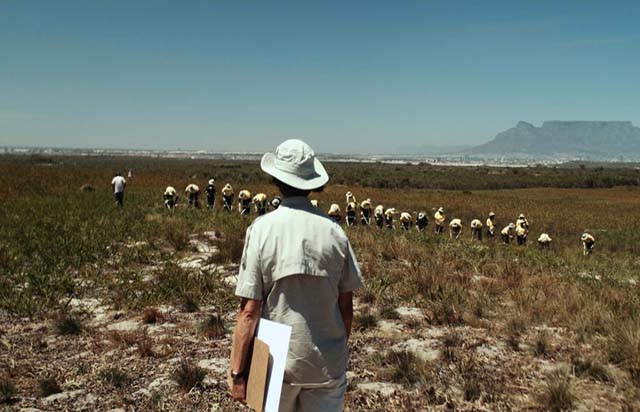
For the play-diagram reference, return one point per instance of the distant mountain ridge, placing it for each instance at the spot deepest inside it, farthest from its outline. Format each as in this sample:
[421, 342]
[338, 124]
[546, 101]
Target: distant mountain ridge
[596, 140]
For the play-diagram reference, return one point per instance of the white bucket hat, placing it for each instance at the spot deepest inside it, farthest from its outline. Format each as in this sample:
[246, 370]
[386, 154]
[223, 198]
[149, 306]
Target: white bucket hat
[295, 164]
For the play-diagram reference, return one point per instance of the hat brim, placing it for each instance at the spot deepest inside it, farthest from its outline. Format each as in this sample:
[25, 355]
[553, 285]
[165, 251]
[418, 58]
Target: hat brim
[316, 180]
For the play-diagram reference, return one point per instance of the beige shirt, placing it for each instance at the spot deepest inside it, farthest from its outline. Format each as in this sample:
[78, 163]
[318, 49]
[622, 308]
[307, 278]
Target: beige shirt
[297, 261]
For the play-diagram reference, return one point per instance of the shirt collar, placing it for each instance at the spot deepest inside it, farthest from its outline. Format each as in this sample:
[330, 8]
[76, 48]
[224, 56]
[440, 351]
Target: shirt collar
[296, 202]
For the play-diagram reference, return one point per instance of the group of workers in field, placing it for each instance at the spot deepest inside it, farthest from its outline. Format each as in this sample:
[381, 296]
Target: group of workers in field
[368, 215]
[246, 201]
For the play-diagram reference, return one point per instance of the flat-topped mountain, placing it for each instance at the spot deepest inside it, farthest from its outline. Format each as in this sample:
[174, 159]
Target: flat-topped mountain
[588, 139]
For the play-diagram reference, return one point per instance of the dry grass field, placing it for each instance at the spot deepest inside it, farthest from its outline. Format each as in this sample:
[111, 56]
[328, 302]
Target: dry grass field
[133, 309]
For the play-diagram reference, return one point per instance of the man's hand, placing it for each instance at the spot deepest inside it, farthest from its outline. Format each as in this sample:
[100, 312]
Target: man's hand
[239, 390]
[248, 317]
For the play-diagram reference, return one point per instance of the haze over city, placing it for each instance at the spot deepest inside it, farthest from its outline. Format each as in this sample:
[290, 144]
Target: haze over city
[358, 77]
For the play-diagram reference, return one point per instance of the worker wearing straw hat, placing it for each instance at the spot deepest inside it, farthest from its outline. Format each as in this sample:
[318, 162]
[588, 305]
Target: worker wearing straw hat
[476, 229]
[227, 197]
[192, 191]
[365, 212]
[260, 203]
[378, 215]
[422, 221]
[244, 202]
[439, 219]
[491, 225]
[588, 242]
[211, 194]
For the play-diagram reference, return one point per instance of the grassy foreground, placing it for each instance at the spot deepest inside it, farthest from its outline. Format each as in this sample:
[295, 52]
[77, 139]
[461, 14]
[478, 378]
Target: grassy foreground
[460, 324]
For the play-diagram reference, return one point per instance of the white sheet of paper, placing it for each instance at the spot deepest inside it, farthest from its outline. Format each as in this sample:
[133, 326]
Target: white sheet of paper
[277, 336]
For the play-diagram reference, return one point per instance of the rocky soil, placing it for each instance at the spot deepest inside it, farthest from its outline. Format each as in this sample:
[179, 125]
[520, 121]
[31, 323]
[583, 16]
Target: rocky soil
[123, 361]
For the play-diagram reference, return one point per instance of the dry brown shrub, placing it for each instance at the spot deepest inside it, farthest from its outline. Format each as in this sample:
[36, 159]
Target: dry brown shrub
[557, 394]
[152, 315]
[625, 347]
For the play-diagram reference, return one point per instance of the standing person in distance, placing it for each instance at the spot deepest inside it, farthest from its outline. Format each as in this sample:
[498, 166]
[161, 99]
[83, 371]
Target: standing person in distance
[211, 194]
[491, 225]
[118, 184]
[309, 288]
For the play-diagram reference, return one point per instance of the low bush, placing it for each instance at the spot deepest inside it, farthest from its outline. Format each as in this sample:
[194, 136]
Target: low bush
[48, 386]
[7, 390]
[557, 394]
[188, 376]
[67, 324]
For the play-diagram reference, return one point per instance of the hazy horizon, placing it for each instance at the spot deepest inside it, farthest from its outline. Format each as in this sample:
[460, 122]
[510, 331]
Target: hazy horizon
[349, 78]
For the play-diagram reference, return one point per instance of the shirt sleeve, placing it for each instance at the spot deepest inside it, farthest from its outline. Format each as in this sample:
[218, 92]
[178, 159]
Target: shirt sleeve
[352, 276]
[250, 283]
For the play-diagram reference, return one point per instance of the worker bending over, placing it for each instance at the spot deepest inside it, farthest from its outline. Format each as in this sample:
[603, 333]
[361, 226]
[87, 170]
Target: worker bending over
[491, 225]
[455, 228]
[439, 219]
[192, 191]
[588, 242]
[378, 215]
[244, 202]
[275, 202]
[388, 218]
[365, 212]
[476, 229]
[170, 198]
[507, 233]
[406, 220]
[544, 241]
[211, 194]
[260, 203]
[227, 197]
[314, 203]
[422, 221]
[350, 213]
[335, 213]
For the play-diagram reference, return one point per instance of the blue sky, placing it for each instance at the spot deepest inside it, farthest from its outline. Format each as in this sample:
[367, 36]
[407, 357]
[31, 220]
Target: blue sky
[361, 76]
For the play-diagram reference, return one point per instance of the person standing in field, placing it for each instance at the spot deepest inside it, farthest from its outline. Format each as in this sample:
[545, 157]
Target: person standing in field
[350, 198]
[522, 230]
[439, 219]
[192, 191]
[118, 184]
[309, 288]
[211, 194]
[491, 225]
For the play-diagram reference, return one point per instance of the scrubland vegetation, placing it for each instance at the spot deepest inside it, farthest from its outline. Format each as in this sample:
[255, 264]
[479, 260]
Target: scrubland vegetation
[441, 325]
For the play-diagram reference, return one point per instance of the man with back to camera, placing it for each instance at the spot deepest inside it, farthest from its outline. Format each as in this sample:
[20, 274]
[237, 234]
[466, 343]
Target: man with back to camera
[118, 183]
[298, 268]
[211, 193]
